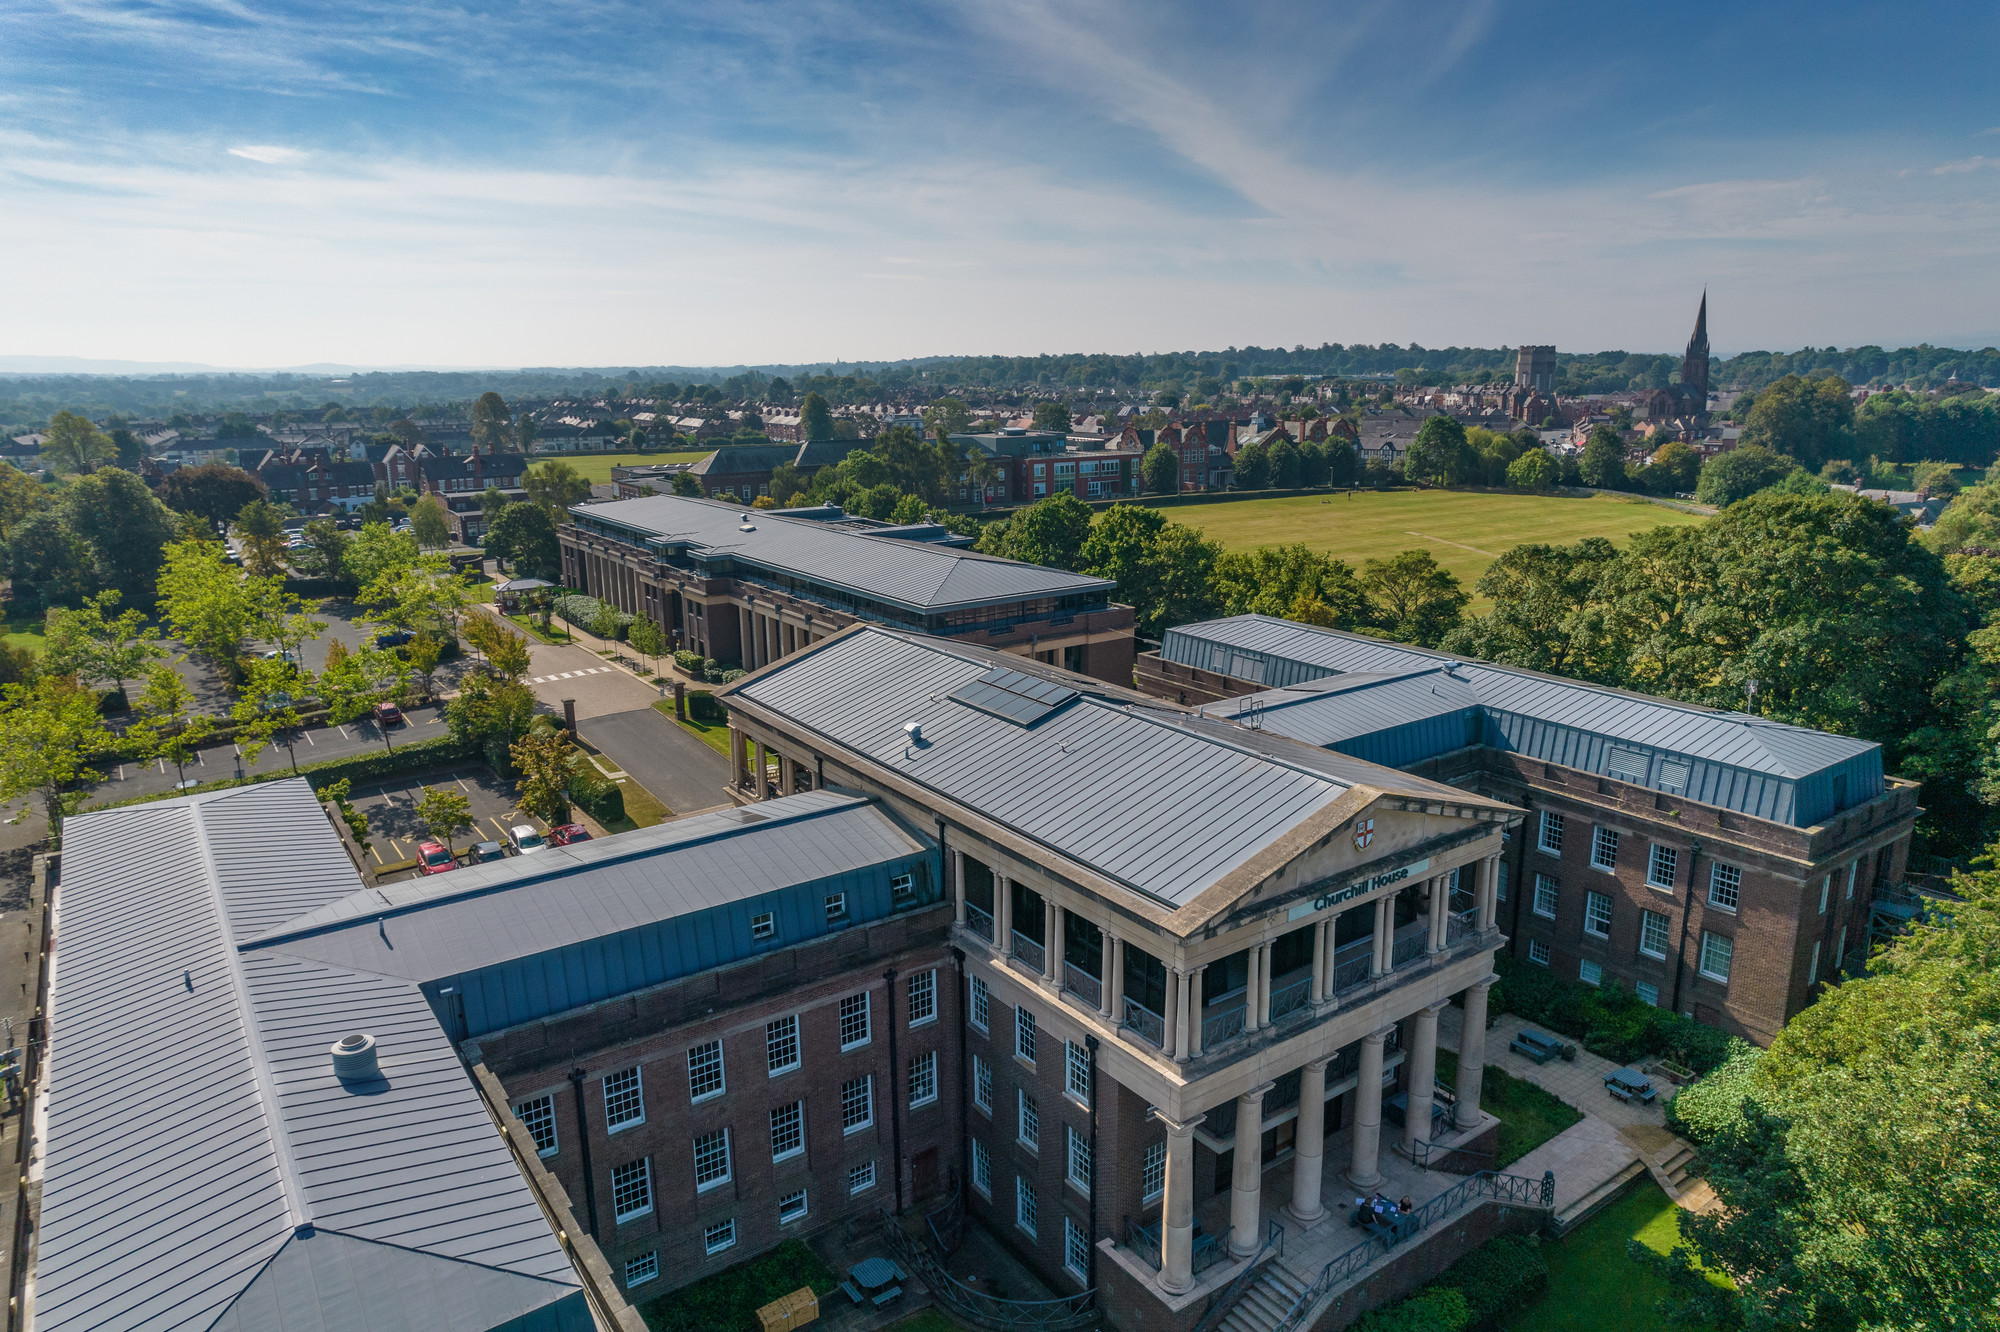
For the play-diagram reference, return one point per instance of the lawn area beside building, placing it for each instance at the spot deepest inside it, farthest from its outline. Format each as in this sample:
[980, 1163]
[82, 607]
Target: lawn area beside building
[729, 1300]
[1463, 530]
[1529, 1115]
[1593, 1282]
[596, 467]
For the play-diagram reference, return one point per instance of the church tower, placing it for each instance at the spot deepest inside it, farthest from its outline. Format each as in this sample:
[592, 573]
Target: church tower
[1694, 365]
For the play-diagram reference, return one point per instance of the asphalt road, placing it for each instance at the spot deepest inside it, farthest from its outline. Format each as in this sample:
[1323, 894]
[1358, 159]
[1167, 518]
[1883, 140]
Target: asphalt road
[220, 761]
[682, 773]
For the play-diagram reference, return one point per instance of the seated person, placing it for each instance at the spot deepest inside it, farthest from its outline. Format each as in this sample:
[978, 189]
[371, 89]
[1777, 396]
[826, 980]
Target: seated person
[1363, 1217]
[1406, 1206]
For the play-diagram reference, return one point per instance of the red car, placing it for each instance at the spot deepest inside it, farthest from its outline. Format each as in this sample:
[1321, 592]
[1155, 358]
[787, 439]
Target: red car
[388, 714]
[434, 859]
[565, 833]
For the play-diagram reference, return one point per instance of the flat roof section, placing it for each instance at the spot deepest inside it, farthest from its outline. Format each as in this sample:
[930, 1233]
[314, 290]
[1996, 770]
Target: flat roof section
[921, 576]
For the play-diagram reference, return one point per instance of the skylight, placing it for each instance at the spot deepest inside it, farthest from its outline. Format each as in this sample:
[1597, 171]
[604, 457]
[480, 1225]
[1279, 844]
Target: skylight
[1013, 695]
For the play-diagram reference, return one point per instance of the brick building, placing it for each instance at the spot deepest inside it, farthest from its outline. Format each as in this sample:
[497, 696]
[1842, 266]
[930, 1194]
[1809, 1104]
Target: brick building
[1718, 863]
[754, 586]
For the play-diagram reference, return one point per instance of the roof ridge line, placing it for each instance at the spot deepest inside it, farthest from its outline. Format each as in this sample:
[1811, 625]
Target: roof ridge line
[443, 1257]
[253, 1037]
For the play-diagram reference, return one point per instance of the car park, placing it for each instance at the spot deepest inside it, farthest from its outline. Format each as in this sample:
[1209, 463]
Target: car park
[526, 840]
[485, 851]
[434, 859]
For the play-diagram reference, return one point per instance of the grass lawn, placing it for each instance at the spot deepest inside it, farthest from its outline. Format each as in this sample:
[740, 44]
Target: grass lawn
[729, 1300]
[642, 808]
[924, 1320]
[596, 467]
[1528, 1115]
[1465, 532]
[716, 737]
[25, 632]
[1593, 1282]
[533, 625]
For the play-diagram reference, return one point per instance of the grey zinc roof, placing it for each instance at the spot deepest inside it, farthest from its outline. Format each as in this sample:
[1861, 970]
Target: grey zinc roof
[1163, 807]
[449, 924]
[194, 1122]
[1331, 710]
[1563, 721]
[921, 576]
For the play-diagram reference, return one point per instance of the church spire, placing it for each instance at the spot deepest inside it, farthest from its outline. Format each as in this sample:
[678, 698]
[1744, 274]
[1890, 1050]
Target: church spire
[1694, 365]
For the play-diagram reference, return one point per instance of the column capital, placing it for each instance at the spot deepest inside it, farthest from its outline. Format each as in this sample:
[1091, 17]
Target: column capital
[1434, 1009]
[1322, 1061]
[1255, 1093]
[1184, 1129]
[1485, 982]
[1377, 1037]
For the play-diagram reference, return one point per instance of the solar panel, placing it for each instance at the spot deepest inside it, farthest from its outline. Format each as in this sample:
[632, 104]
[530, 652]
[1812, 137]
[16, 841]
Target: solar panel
[1013, 695]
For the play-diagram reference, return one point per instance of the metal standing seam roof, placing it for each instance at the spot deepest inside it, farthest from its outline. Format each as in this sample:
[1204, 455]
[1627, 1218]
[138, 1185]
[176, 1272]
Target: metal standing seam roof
[1163, 807]
[922, 576]
[1733, 738]
[203, 1165]
[481, 915]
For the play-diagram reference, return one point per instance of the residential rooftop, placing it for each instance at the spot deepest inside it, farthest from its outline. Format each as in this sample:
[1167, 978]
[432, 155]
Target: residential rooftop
[919, 577]
[1396, 704]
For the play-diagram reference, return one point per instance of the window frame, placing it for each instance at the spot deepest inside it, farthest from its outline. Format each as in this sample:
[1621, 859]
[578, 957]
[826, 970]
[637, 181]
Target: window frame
[923, 1080]
[867, 1025]
[1601, 838]
[1672, 855]
[866, 1084]
[763, 925]
[982, 1168]
[1549, 833]
[835, 906]
[804, 1201]
[1593, 916]
[648, 1266]
[1726, 944]
[1642, 988]
[923, 984]
[1584, 970]
[1666, 926]
[788, 1119]
[1548, 883]
[902, 887]
[721, 1073]
[1076, 1152]
[1538, 952]
[982, 1085]
[792, 1036]
[1027, 1121]
[714, 1243]
[697, 1152]
[857, 1182]
[644, 1165]
[1076, 1249]
[1717, 871]
[1148, 1172]
[1025, 1031]
[637, 1094]
[1076, 1072]
[979, 1002]
[1027, 1206]
[544, 1109]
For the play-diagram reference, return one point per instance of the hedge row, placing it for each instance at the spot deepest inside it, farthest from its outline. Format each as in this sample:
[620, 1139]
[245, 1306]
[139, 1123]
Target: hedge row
[1496, 1280]
[708, 668]
[1606, 1019]
[416, 756]
[582, 611]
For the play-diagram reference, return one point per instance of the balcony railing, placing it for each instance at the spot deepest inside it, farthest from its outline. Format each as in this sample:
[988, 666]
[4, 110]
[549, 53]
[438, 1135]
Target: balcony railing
[1221, 1025]
[1351, 963]
[1030, 952]
[1146, 1022]
[980, 921]
[1412, 943]
[1080, 982]
[1206, 1250]
[1460, 924]
[1291, 993]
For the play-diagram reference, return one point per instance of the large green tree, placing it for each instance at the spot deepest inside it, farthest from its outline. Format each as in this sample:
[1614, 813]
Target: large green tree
[1291, 583]
[1740, 473]
[49, 564]
[815, 419]
[1544, 614]
[1164, 571]
[1052, 416]
[556, 486]
[1603, 462]
[73, 444]
[1439, 453]
[1050, 532]
[491, 423]
[126, 528]
[525, 534]
[215, 491]
[1412, 598]
[49, 733]
[1859, 1168]
[1811, 420]
[1161, 470]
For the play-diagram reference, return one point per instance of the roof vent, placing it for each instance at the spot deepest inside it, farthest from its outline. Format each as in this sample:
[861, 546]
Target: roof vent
[354, 1057]
[914, 730]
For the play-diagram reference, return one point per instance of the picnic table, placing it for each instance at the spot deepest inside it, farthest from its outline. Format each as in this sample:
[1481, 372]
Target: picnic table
[875, 1280]
[1626, 1083]
[1535, 1045]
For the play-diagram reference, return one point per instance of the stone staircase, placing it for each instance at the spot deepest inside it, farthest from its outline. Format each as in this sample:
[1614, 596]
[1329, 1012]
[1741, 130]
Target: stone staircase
[1265, 1301]
[1590, 1203]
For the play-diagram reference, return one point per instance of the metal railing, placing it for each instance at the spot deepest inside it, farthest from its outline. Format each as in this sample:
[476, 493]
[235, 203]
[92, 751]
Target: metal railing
[980, 921]
[1204, 1251]
[1288, 996]
[1460, 924]
[1220, 1026]
[1031, 952]
[1409, 947]
[1351, 964]
[990, 1311]
[1486, 1186]
[1451, 1160]
[1146, 1022]
[946, 1224]
[1219, 1307]
[1080, 982]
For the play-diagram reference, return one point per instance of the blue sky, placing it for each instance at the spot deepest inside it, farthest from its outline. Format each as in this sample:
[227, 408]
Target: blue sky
[248, 183]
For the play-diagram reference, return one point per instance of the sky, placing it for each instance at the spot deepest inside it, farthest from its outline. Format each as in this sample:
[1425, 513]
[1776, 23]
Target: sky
[421, 182]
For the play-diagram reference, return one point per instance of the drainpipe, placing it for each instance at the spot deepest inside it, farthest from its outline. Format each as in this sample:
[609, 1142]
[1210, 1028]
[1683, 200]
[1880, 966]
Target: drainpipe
[583, 1140]
[1090, 1047]
[895, 1103]
[1680, 950]
[964, 1079]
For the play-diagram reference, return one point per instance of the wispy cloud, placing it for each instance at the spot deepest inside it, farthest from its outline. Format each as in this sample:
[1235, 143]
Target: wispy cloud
[1965, 166]
[268, 153]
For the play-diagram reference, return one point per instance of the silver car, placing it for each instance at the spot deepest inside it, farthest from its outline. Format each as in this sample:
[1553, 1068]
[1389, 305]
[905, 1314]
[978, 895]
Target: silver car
[526, 840]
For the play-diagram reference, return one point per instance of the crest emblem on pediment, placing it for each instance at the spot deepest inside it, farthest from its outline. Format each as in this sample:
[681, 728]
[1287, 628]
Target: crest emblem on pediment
[1364, 833]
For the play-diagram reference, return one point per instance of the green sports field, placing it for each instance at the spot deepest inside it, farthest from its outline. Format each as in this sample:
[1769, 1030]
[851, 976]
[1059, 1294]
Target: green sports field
[1464, 531]
[596, 467]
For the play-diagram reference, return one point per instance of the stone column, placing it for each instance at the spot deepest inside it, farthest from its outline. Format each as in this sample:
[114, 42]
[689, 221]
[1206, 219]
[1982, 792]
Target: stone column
[1365, 1169]
[1052, 956]
[1321, 961]
[958, 887]
[762, 786]
[1246, 1180]
[1198, 980]
[1309, 1144]
[1264, 985]
[747, 651]
[1177, 1208]
[1385, 932]
[737, 759]
[1420, 1073]
[1003, 915]
[1105, 995]
[1253, 973]
[1177, 1016]
[1115, 982]
[1472, 1053]
[1440, 904]
[787, 775]
[1489, 892]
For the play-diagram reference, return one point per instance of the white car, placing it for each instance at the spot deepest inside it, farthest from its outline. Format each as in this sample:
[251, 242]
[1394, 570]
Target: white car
[526, 840]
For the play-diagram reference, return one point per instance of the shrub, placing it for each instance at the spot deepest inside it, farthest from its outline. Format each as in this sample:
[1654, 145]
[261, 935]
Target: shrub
[690, 662]
[703, 707]
[1703, 1108]
[596, 795]
[1432, 1309]
[729, 1300]
[1499, 1277]
[1607, 1019]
